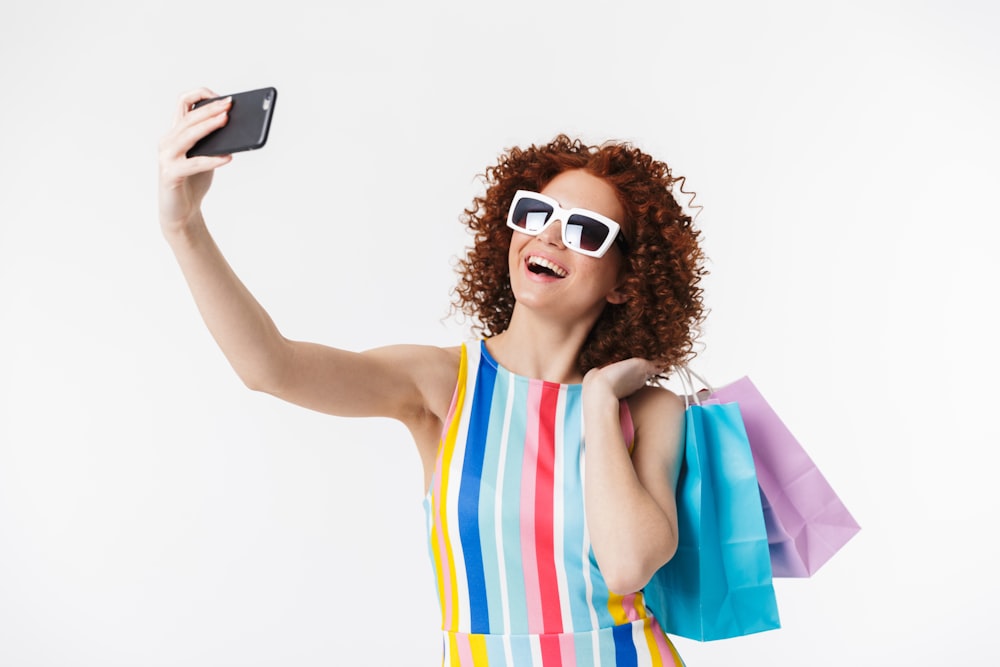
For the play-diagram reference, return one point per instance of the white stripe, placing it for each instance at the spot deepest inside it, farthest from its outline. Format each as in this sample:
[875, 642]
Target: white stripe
[643, 656]
[498, 516]
[536, 650]
[447, 661]
[508, 652]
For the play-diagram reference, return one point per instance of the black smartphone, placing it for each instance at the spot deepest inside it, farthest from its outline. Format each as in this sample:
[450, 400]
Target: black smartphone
[247, 127]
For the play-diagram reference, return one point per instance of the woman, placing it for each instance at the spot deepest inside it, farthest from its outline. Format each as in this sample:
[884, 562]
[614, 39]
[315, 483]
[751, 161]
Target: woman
[583, 279]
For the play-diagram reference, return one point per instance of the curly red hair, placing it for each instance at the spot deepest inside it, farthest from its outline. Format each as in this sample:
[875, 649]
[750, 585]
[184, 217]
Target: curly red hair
[661, 316]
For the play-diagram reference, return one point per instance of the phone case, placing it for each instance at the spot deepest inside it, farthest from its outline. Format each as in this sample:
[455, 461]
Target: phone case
[248, 125]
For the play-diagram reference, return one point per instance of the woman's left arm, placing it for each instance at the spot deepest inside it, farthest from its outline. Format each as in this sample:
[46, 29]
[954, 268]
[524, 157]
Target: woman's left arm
[631, 512]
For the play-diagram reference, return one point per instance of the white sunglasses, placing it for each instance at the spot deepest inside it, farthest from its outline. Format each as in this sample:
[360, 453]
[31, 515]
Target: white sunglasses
[583, 231]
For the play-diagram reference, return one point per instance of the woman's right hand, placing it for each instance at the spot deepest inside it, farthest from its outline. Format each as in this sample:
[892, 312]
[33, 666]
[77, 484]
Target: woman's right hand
[183, 180]
[413, 384]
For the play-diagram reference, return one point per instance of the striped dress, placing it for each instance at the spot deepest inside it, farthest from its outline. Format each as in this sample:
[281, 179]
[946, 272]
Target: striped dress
[516, 576]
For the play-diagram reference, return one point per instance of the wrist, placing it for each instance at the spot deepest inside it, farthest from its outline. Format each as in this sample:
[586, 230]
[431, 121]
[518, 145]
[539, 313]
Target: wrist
[598, 398]
[186, 230]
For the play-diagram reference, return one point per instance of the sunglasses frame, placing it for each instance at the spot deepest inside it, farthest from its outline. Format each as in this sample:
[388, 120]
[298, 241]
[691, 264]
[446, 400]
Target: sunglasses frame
[564, 215]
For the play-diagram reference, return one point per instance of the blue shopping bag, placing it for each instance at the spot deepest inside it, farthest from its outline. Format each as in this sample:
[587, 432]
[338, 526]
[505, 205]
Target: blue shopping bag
[719, 584]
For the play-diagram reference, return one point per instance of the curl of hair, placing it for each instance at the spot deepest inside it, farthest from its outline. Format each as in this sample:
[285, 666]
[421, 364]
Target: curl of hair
[660, 318]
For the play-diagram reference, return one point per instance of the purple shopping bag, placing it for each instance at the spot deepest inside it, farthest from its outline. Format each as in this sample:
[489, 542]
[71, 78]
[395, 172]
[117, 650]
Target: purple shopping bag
[806, 521]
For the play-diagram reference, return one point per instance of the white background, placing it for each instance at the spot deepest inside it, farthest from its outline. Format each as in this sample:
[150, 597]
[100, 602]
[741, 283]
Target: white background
[153, 511]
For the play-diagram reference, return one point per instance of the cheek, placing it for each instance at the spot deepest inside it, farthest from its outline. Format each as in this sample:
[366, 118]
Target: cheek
[514, 247]
[608, 267]
[612, 274]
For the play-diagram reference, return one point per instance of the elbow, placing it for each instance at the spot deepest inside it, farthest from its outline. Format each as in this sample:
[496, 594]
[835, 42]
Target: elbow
[625, 583]
[628, 578]
[631, 575]
[258, 380]
[265, 371]
[266, 383]
[254, 383]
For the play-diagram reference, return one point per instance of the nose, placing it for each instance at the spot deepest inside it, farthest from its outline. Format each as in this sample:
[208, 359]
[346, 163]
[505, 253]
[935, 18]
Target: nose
[552, 234]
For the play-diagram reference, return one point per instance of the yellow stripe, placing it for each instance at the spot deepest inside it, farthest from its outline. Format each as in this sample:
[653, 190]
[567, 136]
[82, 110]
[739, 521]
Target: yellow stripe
[456, 657]
[639, 603]
[654, 650]
[436, 550]
[480, 658]
[616, 608]
[439, 502]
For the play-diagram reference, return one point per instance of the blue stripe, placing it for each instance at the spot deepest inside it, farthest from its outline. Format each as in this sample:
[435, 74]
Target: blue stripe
[513, 459]
[573, 521]
[495, 654]
[601, 595]
[607, 645]
[584, 647]
[487, 507]
[468, 499]
[520, 650]
[625, 655]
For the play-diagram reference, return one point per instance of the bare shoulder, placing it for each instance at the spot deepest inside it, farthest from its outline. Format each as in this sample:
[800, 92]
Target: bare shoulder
[656, 405]
[658, 415]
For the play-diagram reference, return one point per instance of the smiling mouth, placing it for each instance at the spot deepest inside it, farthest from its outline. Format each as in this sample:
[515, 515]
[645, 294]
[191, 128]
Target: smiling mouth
[544, 267]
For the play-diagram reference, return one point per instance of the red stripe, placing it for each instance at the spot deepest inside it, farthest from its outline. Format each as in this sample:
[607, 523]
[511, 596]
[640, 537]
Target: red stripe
[548, 584]
[551, 655]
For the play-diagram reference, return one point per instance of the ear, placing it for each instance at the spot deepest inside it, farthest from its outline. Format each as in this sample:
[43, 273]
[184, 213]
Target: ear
[617, 295]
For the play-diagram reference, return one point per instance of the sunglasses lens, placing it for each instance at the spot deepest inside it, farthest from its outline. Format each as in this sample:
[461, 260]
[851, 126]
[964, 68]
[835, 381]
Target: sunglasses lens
[530, 214]
[586, 233]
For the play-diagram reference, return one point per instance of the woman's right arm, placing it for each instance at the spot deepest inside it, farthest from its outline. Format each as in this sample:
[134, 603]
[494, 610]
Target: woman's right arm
[409, 383]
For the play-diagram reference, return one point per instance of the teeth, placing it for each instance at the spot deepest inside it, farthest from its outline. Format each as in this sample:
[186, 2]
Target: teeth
[541, 261]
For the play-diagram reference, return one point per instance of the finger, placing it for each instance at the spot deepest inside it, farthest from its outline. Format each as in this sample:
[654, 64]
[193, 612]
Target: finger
[203, 120]
[201, 163]
[645, 365]
[221, 105]
[176, 144]
[201, 127]
[646, 368]
[188, 99]
[178, 171]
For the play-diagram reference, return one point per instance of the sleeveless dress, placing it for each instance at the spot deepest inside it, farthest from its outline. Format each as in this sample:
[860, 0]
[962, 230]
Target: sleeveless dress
[516, 576]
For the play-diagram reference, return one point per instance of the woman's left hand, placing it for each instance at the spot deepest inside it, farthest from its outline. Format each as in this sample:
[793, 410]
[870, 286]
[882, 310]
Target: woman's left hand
[620, 379]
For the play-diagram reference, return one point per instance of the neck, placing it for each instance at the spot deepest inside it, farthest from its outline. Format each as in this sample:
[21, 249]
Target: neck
[540, 348]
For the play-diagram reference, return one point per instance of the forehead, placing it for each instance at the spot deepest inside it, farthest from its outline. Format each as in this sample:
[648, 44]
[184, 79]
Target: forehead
[581, 189]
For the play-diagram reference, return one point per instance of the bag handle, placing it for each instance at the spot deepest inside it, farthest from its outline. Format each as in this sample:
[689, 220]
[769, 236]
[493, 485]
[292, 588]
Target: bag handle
[700, 379]
[687, 378]
[687, 386]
